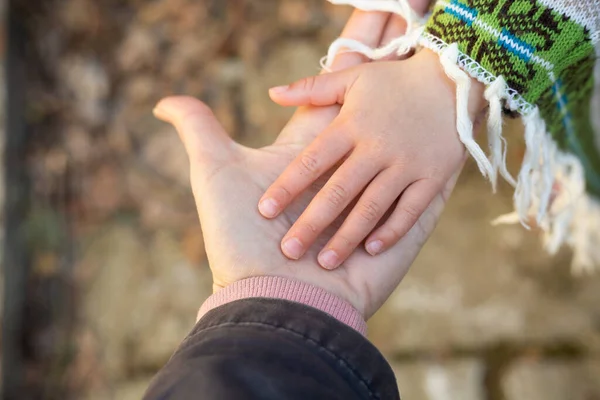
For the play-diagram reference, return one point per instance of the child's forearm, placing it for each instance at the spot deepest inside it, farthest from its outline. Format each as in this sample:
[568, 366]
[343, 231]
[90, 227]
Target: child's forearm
[431, 62]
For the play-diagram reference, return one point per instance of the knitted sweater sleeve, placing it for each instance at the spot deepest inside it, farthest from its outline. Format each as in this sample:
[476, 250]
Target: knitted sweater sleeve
[545, 52]
[537, 59]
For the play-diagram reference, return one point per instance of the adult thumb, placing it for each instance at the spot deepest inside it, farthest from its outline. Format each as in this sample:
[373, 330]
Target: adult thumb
[321, 90]
[203, 136]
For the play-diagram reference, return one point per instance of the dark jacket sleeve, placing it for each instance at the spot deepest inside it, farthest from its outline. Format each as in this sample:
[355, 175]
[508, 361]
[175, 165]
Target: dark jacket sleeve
[273, 349]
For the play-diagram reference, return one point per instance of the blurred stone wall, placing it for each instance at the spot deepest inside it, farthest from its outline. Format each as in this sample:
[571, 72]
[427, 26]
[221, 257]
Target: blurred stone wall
[483, 314]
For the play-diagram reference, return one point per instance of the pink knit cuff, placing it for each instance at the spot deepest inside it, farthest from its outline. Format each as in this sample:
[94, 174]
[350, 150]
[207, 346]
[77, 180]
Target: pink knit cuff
[276, 287]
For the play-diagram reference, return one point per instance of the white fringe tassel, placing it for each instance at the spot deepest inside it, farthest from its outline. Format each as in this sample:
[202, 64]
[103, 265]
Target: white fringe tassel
[464, 125]
[399, 46]
[495, 93]
[554, 191]
[551, 183]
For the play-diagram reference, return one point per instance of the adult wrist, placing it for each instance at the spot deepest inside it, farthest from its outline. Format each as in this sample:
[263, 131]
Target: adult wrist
[289, 289]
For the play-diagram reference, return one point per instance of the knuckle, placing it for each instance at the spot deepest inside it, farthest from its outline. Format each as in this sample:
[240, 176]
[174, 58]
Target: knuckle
[400, 164]
[309, 163]
[409, 154]
[336, 195]
[376, 147]
[306, 228]
[344, 242]
[370, 211]
[380, 143]
[410, 212]
[360, 118]
[393, 234]
[308, 83]
[282, 193]
[347, 127]
[346, 121]
[310, 228]
[434, 173]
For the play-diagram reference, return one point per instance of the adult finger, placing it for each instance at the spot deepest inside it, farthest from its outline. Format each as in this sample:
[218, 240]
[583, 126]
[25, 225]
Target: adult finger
[204, 138]
[364, 27]
[395, 28]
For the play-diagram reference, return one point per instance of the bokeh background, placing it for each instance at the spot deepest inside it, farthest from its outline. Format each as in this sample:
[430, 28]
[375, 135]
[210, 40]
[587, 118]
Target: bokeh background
[103, 262]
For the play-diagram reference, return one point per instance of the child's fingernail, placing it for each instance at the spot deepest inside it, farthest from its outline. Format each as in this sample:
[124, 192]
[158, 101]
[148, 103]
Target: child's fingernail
[329, 259]
[374, 247]
[279, 89]
[268, 208]
[292, 248]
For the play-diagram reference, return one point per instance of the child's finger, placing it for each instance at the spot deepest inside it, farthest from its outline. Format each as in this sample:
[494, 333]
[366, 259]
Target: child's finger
[320, 155]
[320, 90]
[343, 187]
[413, 202]
[373, 204]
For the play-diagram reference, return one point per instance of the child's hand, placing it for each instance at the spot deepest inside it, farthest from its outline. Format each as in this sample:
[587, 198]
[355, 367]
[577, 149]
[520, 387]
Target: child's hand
[396, 135]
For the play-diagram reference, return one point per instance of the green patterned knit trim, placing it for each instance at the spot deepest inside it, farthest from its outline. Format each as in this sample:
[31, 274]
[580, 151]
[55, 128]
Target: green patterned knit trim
[546, 59]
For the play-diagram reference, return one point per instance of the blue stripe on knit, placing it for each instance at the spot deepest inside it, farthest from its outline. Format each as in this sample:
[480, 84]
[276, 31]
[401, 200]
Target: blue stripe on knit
[516, 45]
[574, 145]
[462, 12]
[561, 104]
